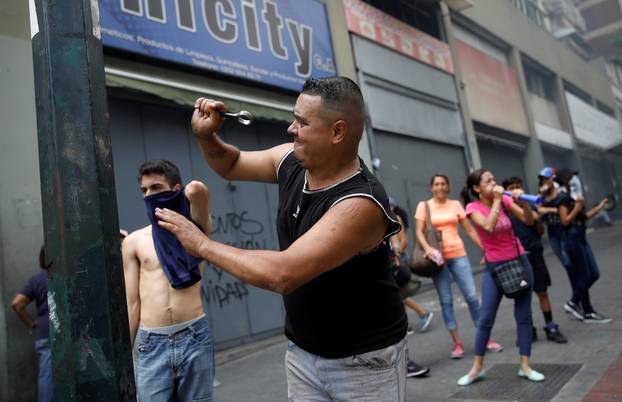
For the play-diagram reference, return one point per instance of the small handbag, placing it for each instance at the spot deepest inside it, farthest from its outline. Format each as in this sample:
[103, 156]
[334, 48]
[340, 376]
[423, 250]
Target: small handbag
[419, 264]
[408, 284]
[400, 273]
[510, 276]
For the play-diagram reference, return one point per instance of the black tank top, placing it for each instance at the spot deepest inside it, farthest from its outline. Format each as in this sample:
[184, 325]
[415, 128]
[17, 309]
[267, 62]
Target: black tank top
[356, 307]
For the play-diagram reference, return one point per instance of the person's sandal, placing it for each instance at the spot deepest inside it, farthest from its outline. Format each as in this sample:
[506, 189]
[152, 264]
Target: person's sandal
[533, 376]
[466, 380]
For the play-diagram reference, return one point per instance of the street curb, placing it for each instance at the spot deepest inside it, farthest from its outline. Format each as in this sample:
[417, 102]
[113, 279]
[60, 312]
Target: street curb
[239, 352]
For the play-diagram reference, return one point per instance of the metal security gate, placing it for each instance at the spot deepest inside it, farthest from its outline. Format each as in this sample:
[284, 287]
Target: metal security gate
[243, 214]
[407, 163]
[503, 160]
[617, 192]
[558, 158]
[600, 180]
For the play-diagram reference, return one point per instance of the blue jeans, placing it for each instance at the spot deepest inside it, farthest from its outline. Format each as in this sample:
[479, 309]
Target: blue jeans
[491, 298]
[460, 269]
[556, 240]
[44, 381]
[556, 236]
[592, 267]
[375, 376]
[583, 269]
[177, 367]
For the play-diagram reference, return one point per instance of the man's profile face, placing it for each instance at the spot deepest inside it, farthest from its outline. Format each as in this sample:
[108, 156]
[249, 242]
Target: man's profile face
[310, 128]
[155, 183]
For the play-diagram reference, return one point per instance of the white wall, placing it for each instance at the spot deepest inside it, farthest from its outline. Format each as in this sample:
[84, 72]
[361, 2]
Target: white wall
[21, 230]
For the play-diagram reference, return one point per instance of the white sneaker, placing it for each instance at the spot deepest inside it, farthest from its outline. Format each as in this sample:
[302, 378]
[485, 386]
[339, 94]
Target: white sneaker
[424, 322]
[595, 318]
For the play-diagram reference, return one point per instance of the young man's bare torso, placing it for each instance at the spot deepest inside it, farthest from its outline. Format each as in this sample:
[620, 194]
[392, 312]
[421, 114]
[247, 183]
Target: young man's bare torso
[152, 301]
[161, 305]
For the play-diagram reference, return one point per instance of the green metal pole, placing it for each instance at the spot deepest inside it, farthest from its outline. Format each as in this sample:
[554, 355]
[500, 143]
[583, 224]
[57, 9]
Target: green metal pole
[91, 352]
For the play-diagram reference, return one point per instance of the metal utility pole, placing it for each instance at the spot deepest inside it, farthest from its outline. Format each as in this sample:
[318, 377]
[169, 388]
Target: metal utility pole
[91, 352]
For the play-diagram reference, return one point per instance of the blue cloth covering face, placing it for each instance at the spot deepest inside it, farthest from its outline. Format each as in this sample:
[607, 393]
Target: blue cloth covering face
[181, 268]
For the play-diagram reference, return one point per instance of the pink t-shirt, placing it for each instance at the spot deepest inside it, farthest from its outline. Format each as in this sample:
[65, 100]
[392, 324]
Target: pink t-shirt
[500, 245]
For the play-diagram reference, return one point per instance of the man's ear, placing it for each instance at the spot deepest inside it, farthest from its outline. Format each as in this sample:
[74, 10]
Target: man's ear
[177, 187]
[340, 131]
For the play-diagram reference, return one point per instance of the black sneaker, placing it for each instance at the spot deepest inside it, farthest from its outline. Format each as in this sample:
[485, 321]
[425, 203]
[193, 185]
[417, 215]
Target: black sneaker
[410, 330]
[595, 318]
[574, 309]
[553, 334]
[415, 370]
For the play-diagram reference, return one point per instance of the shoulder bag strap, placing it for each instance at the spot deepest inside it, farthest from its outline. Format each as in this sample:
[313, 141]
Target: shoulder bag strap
[428, 218]
[435, 232]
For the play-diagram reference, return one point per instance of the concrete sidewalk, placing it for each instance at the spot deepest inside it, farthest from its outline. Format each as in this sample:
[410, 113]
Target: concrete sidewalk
[576, 367]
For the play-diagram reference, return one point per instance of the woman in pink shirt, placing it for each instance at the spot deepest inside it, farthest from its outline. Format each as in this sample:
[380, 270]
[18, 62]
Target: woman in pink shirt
[446, 215]
[488, 209]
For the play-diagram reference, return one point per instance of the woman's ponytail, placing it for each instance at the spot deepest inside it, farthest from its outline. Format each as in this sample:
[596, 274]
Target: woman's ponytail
[465, 195]
[468, 194]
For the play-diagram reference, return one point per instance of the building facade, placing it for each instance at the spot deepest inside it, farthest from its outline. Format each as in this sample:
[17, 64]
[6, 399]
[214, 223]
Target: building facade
[572, 117]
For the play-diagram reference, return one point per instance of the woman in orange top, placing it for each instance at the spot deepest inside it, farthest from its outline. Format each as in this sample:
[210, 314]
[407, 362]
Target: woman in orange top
[446, 214]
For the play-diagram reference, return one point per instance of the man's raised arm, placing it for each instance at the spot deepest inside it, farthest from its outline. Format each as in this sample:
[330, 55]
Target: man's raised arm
[227, 160]
[198, 197]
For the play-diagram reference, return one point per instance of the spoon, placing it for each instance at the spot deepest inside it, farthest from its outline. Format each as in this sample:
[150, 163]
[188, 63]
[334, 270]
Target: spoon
[244, 117]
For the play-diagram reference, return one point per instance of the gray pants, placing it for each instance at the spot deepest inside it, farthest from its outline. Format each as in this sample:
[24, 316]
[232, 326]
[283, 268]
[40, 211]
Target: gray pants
[376, 376]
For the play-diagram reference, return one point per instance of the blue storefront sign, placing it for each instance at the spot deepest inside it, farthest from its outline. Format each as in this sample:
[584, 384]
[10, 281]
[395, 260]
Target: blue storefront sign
[277, 42]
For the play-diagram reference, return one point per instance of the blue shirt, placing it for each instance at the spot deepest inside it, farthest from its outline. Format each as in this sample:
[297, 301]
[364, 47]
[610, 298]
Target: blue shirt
[181, 268]
[37, 290]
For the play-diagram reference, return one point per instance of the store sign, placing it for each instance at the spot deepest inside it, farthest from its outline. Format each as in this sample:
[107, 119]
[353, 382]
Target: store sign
[277, 42]
[492, 90]
[591, 126]
[373, 24]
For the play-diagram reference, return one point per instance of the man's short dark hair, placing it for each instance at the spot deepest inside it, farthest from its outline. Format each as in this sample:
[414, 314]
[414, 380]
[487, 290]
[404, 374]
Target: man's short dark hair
[334, 91]
[512, 180]
[162, 167]
[340, 95]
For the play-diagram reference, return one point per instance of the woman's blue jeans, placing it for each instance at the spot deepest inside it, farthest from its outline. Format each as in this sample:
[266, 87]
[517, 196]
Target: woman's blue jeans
[460, 269]
[583, 270]
[491, 298]
[556, 240]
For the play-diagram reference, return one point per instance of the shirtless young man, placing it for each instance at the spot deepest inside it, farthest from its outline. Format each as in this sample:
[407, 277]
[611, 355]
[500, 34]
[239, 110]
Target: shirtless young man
[173, 342]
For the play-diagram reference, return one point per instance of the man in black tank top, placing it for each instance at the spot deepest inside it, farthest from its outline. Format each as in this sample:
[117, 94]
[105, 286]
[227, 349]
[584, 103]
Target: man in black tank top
[332, 223]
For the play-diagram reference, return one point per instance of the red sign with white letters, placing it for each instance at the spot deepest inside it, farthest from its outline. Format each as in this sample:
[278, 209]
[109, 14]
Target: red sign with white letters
[492, 89]
[373, 24]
